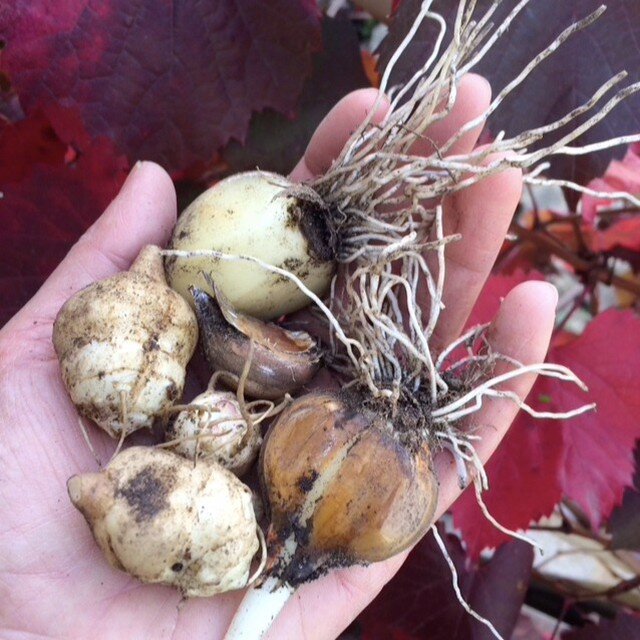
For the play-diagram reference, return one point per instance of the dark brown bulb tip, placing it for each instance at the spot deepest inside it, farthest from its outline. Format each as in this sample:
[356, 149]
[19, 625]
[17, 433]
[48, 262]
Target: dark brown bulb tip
[281, 361]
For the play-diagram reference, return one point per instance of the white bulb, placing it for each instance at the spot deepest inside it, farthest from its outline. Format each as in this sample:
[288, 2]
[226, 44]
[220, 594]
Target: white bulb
[247, 214]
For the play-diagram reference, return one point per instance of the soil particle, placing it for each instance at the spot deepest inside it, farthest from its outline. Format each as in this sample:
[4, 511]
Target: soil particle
[147, 493]
[307, 480]
[315, 224]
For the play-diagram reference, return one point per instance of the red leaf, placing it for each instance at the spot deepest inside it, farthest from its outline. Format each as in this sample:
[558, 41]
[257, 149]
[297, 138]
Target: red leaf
[624, 233]
[275, 142]
[170, 82]
[588, 459]
[523, 485]
[25, 143]
[620, 175]
[44, 213]
[602, 235]
[598, 447]
[419, 601]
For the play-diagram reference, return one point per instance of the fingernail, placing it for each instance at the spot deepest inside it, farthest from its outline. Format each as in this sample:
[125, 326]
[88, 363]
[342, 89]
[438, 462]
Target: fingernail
[553, 292]
[132, 173]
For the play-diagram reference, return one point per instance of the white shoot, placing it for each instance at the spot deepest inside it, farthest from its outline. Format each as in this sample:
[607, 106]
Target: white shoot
[258, 610]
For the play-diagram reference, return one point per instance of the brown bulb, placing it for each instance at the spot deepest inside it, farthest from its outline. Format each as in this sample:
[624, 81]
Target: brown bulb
[282, 361]
[343, 486]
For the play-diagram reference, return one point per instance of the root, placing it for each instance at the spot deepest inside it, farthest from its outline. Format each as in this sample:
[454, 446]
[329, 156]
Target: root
[199, 436]
[567, 184]
[263, 557]
[124, 414]
[472, 401]
[241, 383]
[85, 435]
[456, 588]
[512, 534]
[378, 188]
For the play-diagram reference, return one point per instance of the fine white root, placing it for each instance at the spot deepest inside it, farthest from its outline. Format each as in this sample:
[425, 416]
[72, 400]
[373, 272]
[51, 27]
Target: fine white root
[459, 458]
[603, 195]
[263, 558]
[120, 440]
[467, 404]
[85, 435]
[258, 610]
[456, 587]
[487, 514]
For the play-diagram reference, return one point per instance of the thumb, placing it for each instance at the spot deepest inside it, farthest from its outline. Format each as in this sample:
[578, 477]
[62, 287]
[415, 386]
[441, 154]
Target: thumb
[144, 212]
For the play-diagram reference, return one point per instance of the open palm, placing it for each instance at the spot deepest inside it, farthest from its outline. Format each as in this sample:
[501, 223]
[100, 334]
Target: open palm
[55, 582]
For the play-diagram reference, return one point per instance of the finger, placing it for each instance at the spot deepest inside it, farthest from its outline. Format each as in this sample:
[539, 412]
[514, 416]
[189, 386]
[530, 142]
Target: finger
[144, 212]
[522, 330]
[474, 95]
[335, 129]
[481, 214]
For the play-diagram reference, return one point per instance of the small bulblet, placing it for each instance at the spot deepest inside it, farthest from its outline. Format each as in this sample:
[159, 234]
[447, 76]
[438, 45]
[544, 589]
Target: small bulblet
[163, 520]
[214, 428]
[124, 344]
[281, 361]
[342, 487]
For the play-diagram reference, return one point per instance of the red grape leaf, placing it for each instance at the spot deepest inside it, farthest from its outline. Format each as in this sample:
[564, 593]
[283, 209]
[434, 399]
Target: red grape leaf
[623, 233]
[620, 175]
[565, 80]
[25, 143]
[167, 81]
[419, 601]
[607, 227]
[275, 142]
[622, 627]
[588, 459]
[52, 203]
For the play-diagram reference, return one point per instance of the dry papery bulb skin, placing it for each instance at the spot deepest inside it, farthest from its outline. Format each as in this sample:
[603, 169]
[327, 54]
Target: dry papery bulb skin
[281, 361]
[344, 486]
[124, 344]
[252, 214]
[213, 427]
[163, 520]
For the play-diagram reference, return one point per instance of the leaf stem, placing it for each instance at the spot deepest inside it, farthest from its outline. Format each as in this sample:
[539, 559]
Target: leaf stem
[593, 267]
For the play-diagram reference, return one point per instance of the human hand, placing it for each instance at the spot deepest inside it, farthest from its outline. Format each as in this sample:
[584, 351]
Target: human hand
[57, 582]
